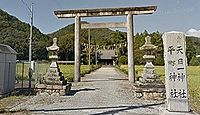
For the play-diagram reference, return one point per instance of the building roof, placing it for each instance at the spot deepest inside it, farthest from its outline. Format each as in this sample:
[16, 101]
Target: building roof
[106, 54]
[7, 49]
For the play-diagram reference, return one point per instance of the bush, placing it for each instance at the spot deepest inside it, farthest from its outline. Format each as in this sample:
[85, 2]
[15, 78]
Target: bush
[70, 79]
[123, 60]
[194, 61]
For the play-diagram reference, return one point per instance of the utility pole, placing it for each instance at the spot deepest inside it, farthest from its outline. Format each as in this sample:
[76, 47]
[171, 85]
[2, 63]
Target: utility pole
[95, 54]
[30, 46]
[89, 44]
[30, 41]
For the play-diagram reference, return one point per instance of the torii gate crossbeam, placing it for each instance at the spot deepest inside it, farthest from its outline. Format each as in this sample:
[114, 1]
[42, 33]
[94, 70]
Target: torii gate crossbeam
[128, 11]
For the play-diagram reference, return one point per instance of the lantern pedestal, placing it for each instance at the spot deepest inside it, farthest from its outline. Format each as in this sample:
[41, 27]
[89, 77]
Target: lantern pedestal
[53, 82]
[149, 85]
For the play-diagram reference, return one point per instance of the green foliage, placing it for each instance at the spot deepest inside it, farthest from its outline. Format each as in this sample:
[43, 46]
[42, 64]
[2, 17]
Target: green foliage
[6, 102]
[195, 42]
[123, 60]
[68, 70]
[66, 44]
[192, 47]
[155, 40]
[100, 37]
[22, 70]
[190, 50]
[159, 60]
[193, 78]
[16, 34]
[194, 61]
[118, 37]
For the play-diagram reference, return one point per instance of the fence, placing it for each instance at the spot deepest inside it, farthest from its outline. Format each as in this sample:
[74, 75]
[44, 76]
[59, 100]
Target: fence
[39, 68]
[22, 73]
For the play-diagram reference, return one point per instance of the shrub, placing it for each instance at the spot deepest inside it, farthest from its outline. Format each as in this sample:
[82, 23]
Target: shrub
[123, 60]
[194, 61]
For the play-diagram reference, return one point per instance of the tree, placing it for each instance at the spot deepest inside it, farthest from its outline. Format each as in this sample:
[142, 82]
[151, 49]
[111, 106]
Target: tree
[123, 60]
[190, 50]
[16, 34]
[194, 61]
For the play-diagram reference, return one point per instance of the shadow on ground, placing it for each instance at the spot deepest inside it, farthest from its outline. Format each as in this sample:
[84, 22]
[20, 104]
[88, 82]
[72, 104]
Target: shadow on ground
[109, 79]
[23, 91]
[115, 109]
[73, 92]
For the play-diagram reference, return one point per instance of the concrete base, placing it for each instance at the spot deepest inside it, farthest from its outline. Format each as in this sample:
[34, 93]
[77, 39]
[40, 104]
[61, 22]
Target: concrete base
[163, 111]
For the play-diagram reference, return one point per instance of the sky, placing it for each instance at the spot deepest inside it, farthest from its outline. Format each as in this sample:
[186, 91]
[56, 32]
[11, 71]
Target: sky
[171, 15]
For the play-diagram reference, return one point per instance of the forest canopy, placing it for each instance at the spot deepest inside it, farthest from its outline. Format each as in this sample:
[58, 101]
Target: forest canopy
[15, 33]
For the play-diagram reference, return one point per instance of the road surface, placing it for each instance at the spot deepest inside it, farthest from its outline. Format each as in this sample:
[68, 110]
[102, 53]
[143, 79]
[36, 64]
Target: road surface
[103, 92]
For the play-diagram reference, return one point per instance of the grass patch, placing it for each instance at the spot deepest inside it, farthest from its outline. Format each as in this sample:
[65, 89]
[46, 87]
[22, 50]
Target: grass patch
[194, 89]
[193, 78]
[13, 99]
[67, 70]
[22, 70]
[6, 102]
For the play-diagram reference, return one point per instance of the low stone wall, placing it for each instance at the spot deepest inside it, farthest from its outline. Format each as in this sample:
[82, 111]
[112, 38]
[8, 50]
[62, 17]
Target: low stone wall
[59, 90]
[150, 94]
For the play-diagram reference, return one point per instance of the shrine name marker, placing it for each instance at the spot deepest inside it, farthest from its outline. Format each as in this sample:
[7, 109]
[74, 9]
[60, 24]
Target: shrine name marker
[175, 71]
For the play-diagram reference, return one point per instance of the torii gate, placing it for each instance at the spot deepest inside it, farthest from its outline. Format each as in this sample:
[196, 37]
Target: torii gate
[128, 11]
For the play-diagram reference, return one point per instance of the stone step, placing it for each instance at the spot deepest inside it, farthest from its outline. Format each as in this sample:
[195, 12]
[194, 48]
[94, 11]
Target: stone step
[55, 78]
[50, 82]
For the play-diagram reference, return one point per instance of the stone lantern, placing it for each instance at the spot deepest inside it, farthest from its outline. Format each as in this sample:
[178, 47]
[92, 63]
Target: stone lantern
[53, 50]
[149, 56]
[149, 85]
[53, 81]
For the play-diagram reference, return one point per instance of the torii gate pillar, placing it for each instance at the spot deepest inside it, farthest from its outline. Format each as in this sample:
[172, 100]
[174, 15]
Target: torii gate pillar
[131, 67]
[77, 50]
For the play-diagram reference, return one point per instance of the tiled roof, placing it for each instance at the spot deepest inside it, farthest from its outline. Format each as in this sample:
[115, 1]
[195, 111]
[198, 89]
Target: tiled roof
[106, 54]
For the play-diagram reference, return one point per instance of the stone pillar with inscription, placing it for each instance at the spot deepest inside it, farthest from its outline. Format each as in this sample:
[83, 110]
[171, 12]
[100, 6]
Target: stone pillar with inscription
[175, 73]
[53, 81]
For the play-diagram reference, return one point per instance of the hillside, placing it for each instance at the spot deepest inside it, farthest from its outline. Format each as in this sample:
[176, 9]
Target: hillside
[101, 37]
[196, 43]
[15, 33]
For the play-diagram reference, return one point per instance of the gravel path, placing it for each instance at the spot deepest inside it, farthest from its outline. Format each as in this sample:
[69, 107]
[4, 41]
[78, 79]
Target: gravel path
[105, 91]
